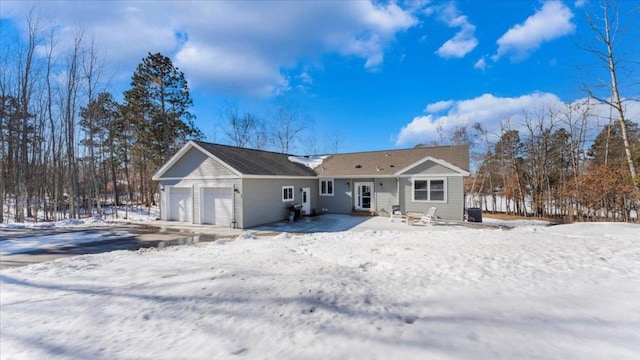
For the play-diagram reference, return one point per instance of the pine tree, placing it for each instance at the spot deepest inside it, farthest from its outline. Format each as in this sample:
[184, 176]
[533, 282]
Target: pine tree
[609, 149]
[157, 110]
[159, 101]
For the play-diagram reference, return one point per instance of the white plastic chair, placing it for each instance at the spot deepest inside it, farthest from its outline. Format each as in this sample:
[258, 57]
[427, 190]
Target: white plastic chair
[397, 214]
[428, 217]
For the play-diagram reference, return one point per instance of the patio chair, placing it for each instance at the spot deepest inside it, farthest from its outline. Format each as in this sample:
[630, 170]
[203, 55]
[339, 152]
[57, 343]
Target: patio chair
[397, 214]
[429, 217]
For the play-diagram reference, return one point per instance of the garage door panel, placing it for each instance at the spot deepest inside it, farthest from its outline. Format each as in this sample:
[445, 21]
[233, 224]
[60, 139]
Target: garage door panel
[180, 204]
[217, 206]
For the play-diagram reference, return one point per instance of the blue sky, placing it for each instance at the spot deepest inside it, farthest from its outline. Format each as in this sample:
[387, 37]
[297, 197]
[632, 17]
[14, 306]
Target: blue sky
[369, 75]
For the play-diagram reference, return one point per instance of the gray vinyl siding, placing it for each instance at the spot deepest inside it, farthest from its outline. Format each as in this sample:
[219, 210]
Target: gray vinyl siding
[262, 199]
[453, 209]
[386, 195]
[195, 164]
[429, 168]
[342, 200]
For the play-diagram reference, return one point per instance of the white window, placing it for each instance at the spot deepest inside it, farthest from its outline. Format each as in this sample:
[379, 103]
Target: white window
[326, 187]
[430, 190]
[287, 193]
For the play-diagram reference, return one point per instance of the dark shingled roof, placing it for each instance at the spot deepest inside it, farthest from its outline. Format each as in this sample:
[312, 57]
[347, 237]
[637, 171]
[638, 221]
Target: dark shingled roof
[389, 162]
[256, 162]
[384, 163]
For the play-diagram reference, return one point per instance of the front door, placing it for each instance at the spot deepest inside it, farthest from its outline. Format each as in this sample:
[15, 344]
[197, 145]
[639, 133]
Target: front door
[306, 201]
[364, 192]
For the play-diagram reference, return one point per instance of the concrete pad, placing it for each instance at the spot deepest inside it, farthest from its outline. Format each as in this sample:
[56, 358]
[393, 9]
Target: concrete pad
[336, 222]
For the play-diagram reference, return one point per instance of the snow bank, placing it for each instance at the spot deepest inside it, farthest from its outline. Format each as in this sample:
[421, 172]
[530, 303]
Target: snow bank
[567, 291]
[133, 215]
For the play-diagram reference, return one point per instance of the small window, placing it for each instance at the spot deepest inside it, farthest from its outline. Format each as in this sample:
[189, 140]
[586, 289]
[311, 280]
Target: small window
[436, 190]
[287, 193]
[430, 190]
[421, 190]
[326, 187]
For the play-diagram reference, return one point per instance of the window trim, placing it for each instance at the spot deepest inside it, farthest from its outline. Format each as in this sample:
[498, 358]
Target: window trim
[333, 187]
[428, 190]
[282, 193]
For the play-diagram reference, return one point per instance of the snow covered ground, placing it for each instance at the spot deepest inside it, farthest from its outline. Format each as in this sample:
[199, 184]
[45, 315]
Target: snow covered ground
[441, 292]
[125, 216]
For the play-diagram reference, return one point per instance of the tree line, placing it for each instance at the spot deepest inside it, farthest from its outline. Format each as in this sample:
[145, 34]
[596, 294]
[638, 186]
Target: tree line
[548, 167]
[559, 162]
[66, 143]
[68, 148]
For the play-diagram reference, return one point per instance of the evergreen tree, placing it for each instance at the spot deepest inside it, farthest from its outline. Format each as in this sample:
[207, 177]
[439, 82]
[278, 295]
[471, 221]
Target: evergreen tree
[156, 110]
[158, 102]
[608, 147]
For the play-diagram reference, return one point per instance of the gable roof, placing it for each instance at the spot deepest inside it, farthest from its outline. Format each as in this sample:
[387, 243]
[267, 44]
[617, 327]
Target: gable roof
[252, 162]
[392, 162]
[256, 162]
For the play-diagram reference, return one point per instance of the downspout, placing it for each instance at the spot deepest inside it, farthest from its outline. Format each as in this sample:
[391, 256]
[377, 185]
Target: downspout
[234, 223]
[375, 191]
[398, 195]
[193, 204]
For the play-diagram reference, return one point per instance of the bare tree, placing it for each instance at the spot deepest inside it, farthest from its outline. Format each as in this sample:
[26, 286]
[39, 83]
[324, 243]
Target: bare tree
[288, 121]
[575, 119]
[26, 81]
[540, 126]
[93, 131]
[70, 96]
[606, 29]
[241, 130]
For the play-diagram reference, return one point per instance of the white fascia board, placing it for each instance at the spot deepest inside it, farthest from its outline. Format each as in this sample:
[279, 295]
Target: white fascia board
[371, 176]
[278, 177]
[428, 176]
[227, 177]
[158, 175]
[229, 167]
[437, 161]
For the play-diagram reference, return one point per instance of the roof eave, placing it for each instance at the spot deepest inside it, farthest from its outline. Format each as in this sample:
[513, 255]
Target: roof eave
[437, 161]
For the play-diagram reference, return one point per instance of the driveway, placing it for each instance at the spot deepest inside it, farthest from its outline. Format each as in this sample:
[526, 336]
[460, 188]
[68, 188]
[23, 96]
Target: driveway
[337, 222]
[19, 247]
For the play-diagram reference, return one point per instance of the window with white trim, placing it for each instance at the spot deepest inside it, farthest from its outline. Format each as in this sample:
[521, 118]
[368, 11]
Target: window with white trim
[326, 187]
[430, 190]
[287, 193]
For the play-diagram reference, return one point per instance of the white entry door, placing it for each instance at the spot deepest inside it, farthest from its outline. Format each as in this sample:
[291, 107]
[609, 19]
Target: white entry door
[364, 195]
[306, 201]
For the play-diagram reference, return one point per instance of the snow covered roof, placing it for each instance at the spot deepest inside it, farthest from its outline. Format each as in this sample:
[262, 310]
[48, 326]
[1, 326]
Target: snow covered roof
[309, 161]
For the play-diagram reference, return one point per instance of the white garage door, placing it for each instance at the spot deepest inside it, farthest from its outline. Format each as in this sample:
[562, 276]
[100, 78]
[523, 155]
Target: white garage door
[217, 206]
[180, 204]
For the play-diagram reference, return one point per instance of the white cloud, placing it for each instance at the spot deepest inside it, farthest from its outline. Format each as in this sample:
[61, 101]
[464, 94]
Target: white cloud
[552, 21]
[232, 45]
[488, 110]
[481, 64]
[464, 41]
[237, 72]
[580, 3]
[306, 78]
[439, 106]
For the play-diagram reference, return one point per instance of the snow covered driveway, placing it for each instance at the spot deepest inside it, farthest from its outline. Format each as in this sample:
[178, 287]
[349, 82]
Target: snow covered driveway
[570, 291]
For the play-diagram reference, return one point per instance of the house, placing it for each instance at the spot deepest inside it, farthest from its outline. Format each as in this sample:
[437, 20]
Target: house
[206, 183]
